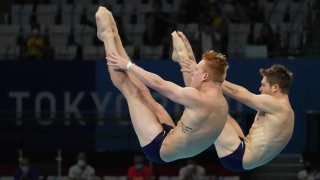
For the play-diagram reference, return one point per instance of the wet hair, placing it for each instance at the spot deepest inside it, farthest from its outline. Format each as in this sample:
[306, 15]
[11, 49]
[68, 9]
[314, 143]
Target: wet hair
[278, 74]
[216, 64]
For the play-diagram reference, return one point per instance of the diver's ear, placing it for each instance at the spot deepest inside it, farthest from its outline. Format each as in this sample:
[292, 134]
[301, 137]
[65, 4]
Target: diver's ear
[205, 76]
[275, 88]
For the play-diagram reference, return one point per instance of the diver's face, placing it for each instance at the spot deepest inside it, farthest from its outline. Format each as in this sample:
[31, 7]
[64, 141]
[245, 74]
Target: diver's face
[199, 75]
[265, 87]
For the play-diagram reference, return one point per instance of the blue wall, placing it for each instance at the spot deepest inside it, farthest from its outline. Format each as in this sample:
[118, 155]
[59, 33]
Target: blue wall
[84, 86]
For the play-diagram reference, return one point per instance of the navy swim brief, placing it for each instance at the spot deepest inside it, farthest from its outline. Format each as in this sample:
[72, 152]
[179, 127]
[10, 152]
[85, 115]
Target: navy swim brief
[233, 161]
[152, 150]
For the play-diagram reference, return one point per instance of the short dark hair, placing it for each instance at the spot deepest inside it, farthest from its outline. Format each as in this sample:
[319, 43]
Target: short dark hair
[278, 74]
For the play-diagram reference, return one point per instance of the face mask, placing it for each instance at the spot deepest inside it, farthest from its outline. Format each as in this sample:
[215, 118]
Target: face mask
[81, 163]
[191, 166]
[25, 169]
[139, 166]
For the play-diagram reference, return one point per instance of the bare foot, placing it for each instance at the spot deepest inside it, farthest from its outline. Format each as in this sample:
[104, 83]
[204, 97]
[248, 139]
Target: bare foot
[103, 23]
[174, 56]
[180, 52]
[113, 24]
[187, 45]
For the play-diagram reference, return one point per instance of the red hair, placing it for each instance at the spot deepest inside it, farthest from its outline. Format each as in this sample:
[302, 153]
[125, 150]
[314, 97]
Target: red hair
[216, 65]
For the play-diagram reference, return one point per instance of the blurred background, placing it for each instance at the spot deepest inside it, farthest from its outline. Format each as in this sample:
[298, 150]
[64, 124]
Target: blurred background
[61, 117]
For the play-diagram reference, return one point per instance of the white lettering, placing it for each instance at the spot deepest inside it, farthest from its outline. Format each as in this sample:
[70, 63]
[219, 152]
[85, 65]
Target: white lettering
[118, 106]
[72, 106]
[19, 105]
[38, 104]
[72, 102]
[101, 105]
